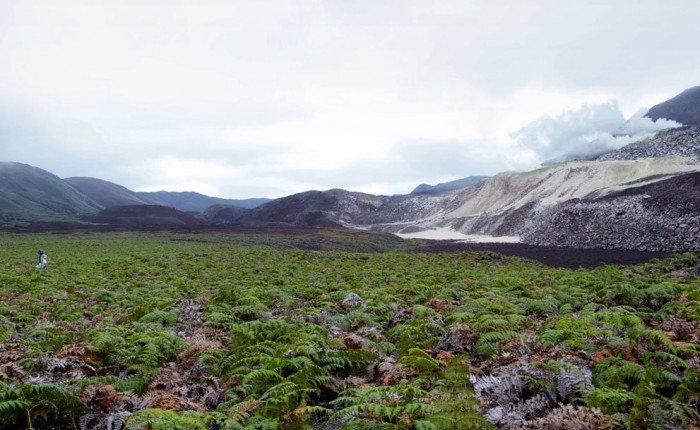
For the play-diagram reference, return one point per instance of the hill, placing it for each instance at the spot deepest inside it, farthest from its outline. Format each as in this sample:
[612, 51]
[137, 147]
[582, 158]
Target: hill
[106, 193]
[313, 208]
[29, 193]
[189, 201]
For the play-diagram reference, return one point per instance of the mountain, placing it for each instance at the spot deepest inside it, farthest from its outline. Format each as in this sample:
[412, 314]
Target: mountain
[106, 193]
[506, 204]
[683, 108]
[531, 205]
[643, 196]
[447, 186]
[29, 193]
[189, 201]
[312, 208]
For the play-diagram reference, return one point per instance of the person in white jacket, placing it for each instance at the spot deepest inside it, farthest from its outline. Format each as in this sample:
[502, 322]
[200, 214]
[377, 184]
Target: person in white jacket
[43, 261]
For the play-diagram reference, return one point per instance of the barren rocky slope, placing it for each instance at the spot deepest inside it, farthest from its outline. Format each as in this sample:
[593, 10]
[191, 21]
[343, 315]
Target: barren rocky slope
[663, 216]
[682, 142]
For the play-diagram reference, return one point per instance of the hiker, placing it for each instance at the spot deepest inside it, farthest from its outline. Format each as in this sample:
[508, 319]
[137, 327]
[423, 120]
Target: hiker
[42, 260]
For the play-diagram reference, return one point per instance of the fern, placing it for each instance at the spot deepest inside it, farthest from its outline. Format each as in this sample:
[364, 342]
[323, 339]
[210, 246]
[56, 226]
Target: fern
[455, 400]
[162, 317]
[19, 406]
[421, 362]
[653, 340]
[158, 419]
[611, 400]
[459, 318]
[492, 342]
[617, 373]
[541, 307]
[262, 375]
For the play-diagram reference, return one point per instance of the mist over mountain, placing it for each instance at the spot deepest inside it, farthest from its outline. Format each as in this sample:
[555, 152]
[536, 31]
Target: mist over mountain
[586, 132]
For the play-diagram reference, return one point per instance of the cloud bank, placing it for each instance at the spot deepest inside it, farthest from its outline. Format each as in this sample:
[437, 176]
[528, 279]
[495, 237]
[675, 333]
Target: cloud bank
[263, 99]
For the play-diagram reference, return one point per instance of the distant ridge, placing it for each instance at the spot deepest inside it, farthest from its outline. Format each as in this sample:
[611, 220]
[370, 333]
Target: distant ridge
[190, 201]
[448, 186]
[109, 194]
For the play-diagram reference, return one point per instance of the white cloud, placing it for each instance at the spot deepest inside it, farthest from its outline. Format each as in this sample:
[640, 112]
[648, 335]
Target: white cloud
[638, 124]
[590, 130]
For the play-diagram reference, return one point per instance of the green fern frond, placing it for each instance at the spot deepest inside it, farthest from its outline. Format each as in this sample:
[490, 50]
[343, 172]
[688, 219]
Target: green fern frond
[164, 317]
[654, 339]
[159, 419]
[611, 400]
[421, 361]
[262, 374]
[11, 407]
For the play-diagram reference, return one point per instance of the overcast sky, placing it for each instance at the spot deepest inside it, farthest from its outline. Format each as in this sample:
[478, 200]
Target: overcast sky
[260, 98]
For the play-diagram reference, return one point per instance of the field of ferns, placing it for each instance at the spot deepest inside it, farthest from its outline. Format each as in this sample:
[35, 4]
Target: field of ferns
[337, 330]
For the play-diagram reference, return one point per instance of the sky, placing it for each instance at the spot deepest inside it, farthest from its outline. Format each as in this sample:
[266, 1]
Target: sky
[242, 99]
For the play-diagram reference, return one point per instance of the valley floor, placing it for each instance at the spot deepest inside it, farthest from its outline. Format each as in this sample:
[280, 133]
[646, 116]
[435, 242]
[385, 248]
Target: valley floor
[339, 329]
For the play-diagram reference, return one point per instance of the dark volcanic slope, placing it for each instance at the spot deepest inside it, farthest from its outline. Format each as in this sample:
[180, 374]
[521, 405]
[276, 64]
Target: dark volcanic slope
[684, 108]
[314, 208]
[141, 215]
[106, 193]
[660, 216]
[223, 215]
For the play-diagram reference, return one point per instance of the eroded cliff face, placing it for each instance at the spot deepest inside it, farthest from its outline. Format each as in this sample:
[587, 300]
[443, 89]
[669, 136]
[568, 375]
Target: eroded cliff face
[638, 197]
[505, 204]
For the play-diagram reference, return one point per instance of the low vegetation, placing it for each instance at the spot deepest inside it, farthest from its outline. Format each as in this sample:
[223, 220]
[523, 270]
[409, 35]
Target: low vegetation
[249, 331]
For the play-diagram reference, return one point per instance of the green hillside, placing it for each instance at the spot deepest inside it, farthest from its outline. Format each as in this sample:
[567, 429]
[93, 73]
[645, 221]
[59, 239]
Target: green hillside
[28, 193]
